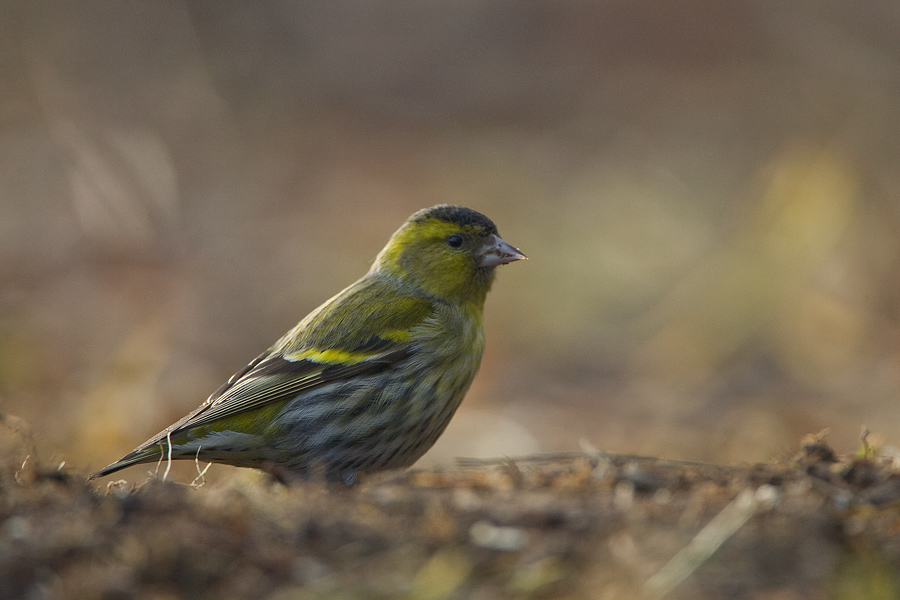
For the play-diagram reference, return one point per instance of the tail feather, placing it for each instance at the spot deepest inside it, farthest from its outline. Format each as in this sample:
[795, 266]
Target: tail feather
[134, 458]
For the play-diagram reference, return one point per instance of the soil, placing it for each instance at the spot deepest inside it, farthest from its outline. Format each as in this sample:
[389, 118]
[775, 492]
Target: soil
[564, 526]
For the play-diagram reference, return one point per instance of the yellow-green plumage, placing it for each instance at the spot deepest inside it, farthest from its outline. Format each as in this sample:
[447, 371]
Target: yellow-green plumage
[368, 380]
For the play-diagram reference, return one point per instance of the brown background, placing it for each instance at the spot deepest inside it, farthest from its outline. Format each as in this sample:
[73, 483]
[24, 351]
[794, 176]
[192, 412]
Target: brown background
[708, 193]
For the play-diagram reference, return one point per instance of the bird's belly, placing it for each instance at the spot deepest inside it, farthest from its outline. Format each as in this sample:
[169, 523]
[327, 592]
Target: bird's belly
[383, 421]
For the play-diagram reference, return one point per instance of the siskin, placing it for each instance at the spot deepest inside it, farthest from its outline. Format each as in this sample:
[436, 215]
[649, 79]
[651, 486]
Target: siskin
[367, 381]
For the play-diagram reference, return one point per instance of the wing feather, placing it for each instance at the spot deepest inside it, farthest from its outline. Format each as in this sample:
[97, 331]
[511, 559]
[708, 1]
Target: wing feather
[280, 379]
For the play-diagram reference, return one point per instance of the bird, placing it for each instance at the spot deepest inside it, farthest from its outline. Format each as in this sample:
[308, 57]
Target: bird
[367, 381]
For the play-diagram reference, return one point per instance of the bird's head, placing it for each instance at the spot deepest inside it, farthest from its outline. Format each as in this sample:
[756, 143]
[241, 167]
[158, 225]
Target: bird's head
[447, 251]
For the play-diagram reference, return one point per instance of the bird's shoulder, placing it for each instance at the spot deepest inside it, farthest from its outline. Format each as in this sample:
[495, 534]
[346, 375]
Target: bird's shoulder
[373, 315]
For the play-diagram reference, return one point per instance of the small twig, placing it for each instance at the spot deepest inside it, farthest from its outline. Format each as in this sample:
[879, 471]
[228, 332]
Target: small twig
[465, 462]
[17, 474]
[614, 458]
[159, 462]
[169, 455]
[200, 474]
[868, 450]
[702, 547]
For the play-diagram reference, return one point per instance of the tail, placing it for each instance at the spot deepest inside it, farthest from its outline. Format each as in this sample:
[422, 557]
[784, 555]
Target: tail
[136, 457]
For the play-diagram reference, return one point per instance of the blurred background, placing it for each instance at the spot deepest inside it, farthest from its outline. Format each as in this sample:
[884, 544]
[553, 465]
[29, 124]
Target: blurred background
[707, 191]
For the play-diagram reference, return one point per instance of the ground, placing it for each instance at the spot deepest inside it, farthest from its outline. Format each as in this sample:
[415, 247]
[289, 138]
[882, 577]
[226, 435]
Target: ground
[566, 526]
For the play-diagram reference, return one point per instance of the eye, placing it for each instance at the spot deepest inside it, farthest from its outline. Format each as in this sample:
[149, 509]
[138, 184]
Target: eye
[455, 241]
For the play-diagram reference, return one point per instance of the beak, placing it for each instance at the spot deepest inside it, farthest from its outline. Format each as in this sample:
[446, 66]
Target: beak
[497, 252]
